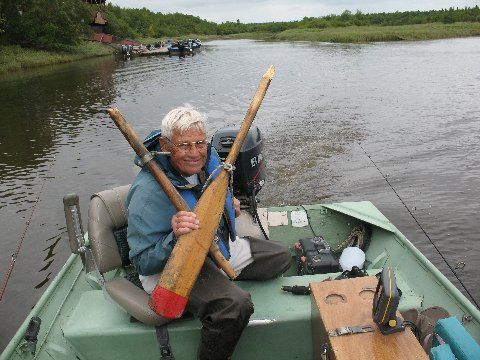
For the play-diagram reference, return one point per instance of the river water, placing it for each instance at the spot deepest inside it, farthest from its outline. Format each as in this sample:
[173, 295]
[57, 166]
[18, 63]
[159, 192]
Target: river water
[413, 107]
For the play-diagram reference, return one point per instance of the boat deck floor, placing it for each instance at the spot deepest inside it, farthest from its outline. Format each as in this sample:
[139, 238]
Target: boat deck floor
[280, 325]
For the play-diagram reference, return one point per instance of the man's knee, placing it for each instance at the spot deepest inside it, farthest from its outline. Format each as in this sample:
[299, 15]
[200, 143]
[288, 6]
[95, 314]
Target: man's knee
[271, 259]
[241, 306]
[280, 259]
[244, 302]
[234, 307]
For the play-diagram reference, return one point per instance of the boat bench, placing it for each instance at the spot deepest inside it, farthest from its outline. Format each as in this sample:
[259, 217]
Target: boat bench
[280, 327]
[458, 343]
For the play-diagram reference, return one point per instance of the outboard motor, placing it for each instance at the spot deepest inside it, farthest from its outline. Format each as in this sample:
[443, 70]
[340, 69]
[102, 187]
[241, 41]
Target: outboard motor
[249, 173]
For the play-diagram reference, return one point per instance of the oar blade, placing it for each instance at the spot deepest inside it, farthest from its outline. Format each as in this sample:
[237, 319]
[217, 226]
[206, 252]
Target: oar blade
[183, 267]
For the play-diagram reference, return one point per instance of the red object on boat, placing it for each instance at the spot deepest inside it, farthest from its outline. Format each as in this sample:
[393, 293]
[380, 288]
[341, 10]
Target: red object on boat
[168, 304]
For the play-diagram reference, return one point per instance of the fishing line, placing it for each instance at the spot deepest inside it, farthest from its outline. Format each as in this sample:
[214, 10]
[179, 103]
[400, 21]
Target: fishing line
[20, 243]
[419, 225]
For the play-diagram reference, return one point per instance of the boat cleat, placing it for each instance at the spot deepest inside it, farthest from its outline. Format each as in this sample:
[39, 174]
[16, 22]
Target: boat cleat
[347, 330]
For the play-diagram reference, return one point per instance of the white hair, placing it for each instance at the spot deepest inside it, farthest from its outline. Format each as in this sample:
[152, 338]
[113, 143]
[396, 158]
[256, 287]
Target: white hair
[182, 119]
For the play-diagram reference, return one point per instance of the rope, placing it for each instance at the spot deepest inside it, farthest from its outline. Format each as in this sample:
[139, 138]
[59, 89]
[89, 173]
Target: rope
[357, 236]
[149, 156]
[226, 166]
[420, 226]
[20, 243]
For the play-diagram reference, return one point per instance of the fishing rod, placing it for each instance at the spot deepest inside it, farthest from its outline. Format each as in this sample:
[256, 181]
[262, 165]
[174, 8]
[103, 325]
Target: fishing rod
[420, 226]
[20, 242]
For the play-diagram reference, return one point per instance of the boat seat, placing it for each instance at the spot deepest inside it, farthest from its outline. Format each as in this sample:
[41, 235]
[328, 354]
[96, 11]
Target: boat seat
[462, 344]
[442, 352]
[106, 215]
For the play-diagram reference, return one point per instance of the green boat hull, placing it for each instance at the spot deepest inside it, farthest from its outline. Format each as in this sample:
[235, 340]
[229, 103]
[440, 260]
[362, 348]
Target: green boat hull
[80, 322]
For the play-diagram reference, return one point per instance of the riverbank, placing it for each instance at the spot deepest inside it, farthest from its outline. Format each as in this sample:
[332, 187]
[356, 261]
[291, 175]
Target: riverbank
[365, 34]
[14, 57]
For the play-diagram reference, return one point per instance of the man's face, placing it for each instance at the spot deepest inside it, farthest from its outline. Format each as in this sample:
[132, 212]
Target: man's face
[190, 159]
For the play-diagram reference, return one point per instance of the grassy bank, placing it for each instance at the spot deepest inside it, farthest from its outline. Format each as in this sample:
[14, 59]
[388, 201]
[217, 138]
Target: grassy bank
[14, 57]
[364, 34]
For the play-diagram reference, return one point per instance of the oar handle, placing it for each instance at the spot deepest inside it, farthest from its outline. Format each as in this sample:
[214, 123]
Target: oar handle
[143, 153]
[250, 115]
[164, 182]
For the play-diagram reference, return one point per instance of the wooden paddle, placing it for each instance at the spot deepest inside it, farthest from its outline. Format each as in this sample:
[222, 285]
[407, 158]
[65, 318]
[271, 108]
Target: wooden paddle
[177, 279]
[163, 180]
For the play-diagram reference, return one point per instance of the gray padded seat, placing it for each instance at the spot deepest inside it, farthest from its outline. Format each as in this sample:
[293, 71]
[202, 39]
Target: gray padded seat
[106, 214]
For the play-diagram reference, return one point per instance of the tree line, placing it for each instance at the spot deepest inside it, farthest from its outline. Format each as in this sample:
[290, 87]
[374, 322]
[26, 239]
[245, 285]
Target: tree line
[348, 18]
[55, 24]
[43, 24]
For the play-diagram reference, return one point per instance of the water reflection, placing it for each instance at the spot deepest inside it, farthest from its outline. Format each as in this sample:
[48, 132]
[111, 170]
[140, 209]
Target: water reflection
[43, 111]
[49, 257]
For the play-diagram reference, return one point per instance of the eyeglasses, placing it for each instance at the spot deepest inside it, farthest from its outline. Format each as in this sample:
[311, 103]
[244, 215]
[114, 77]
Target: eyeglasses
[188, 146]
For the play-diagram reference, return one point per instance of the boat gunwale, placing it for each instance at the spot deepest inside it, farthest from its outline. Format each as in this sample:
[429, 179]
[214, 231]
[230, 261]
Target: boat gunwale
[442, 280]
[16, 340]
[451, 289]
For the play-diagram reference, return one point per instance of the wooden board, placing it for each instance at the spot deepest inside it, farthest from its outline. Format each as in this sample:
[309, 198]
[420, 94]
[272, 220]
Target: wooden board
[349, 303]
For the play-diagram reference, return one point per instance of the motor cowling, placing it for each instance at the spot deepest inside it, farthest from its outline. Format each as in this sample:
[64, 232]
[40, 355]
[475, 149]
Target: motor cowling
[249, 173]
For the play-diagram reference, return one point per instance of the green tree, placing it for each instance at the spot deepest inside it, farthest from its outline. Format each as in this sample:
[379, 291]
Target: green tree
[2, 25]
[116, 25]
[45, 25]
[10, 10]
[449, 16]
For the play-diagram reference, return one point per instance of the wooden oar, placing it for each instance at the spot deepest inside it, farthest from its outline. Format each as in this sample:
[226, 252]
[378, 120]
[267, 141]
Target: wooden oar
[163, 180]
[177, 279]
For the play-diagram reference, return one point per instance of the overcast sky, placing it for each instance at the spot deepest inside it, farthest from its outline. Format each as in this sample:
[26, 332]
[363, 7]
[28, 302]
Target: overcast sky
[248, 11]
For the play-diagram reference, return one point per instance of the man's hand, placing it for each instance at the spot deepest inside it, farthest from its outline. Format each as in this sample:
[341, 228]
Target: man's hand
[184, 222]
[236, 207]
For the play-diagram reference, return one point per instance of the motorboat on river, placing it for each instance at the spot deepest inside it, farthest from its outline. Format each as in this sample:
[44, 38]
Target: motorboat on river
[129, 51]
[184, 46]
[153, 50]
[94, 310]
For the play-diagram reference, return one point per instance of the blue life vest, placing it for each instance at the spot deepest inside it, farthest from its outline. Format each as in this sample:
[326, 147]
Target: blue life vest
[191, 200]
[213, 161]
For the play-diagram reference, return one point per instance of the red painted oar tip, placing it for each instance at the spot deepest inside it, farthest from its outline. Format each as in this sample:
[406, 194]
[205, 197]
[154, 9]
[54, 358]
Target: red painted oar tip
[166, 303]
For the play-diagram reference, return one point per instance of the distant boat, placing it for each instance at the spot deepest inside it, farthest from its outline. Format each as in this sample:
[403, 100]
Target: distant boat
[132, 49]
[195, 44]
[179, 47]
[184, 46]
[153, 51]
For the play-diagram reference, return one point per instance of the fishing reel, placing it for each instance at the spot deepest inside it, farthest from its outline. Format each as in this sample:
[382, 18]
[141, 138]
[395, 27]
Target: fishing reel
[385, 303]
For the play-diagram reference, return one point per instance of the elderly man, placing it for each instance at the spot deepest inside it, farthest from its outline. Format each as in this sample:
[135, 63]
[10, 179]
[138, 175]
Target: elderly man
[154, 224]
